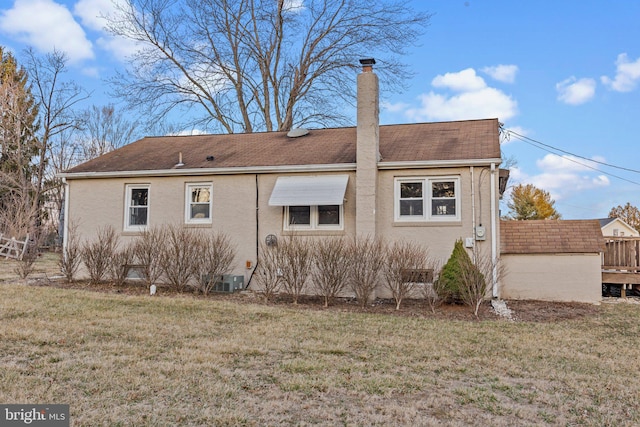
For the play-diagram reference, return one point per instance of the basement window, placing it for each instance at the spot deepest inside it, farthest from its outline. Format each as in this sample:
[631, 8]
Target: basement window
[322, 217]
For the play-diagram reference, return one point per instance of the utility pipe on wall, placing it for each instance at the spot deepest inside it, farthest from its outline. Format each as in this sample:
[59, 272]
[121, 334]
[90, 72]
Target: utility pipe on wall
[494, 233]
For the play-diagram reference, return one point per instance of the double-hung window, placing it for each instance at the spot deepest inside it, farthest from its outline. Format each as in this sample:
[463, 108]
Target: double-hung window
[427, 199]
[321, 217]
[198, 203]
[136, 214]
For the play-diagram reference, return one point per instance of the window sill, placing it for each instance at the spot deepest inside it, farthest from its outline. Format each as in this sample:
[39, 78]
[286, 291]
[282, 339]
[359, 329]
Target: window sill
[427, 223]
[198, 225]
[313, 232]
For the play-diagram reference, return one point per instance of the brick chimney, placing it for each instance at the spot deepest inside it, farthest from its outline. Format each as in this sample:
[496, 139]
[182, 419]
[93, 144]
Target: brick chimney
[367, 150]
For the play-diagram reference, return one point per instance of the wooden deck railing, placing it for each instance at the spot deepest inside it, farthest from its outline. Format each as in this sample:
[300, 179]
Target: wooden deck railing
[621, 253]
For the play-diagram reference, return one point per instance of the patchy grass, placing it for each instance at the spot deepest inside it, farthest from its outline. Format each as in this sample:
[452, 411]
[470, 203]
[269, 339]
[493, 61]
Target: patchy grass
[138, 360]
[46, 266]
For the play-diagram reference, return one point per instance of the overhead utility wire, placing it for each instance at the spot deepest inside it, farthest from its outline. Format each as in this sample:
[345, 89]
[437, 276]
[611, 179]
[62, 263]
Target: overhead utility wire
[523, 138]
[533, 142]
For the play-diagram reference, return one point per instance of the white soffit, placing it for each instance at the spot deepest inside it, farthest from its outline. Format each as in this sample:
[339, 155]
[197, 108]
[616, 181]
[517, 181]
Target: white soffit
[309, 190]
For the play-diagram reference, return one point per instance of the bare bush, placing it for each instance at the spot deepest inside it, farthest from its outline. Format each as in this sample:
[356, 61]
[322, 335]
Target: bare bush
[331, 267]
[146, 250]
[177, 256]
[122, 258]
[267, 272]
[26, 263]
[97, 255]
[213, 258]
[295, 255]
[476, 276]
[71, 254]
[432, 292]
[405, 264]
[366, 255]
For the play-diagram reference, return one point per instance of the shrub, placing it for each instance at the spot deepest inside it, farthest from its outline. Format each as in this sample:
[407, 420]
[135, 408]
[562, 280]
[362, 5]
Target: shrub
[295, 257]
[178, 255]
[366, 255]
[330, 267]
[449, 279]
[400, 266]
[476, 276]
[213, 258]
[71, 254]
[146, 250]
[98, 254]
[267, 272]
[120, 261]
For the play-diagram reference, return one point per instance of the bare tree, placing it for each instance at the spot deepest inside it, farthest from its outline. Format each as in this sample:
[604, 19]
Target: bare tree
[267, 273]
[213, 258]
[403, 267]
[146, 249]
[295, 256]
[56, 99]
[249, 65]
[331, 267]
[366, 258]
[105, 129]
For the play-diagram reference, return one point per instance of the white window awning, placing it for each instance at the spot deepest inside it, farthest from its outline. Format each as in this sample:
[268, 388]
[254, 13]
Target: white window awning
[309, 190]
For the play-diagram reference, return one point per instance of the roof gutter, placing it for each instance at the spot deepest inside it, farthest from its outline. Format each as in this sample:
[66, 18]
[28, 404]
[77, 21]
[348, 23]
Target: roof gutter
[337, 167]
[438, 164]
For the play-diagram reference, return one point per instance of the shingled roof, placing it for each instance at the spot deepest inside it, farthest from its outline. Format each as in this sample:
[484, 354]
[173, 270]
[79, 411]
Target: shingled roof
[445, 141]
[551, 236]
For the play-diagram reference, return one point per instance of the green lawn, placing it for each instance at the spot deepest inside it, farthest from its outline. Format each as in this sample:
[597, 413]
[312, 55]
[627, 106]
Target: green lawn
[140, 360]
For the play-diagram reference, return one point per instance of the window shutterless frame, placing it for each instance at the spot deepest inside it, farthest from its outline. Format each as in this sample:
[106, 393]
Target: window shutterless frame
[426, 199]
[136, 207]
[323, 217]
[198, 203]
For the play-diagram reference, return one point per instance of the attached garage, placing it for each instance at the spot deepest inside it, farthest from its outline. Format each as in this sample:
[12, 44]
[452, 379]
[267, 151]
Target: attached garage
[551, 260]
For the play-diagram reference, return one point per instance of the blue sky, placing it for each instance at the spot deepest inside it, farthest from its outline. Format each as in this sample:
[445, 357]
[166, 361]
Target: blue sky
[564, 73]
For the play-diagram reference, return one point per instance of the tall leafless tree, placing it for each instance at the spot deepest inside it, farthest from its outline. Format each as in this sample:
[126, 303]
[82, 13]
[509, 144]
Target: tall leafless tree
[105, 129]
[250, 65]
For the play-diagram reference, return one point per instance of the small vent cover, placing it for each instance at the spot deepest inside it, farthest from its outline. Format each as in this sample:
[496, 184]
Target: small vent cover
[297, 132]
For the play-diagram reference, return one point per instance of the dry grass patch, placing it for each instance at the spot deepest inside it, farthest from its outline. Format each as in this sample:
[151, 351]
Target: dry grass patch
[135, 360]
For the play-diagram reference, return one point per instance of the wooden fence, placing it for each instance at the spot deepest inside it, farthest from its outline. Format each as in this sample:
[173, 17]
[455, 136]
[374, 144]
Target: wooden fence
[12, 248]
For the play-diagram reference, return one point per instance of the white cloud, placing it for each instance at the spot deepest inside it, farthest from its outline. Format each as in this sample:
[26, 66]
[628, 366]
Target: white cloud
[294, 5]
[92, 12]
[462, 81]
[46, 26]
[562, 177]
[394, 107]
[473, 100]
[575, 92]
[481, 104]
[627, 75]
[502, 73]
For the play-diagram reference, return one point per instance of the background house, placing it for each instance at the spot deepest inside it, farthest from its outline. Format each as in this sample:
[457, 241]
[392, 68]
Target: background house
[615, 227]
[431, 183]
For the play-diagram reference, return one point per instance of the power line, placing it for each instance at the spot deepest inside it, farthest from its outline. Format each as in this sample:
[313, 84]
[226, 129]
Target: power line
[549, 148]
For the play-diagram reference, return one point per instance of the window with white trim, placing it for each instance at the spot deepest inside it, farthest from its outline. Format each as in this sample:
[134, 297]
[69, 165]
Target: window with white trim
[322, 217]
[198, 203]
[136, 211]
[427, 199]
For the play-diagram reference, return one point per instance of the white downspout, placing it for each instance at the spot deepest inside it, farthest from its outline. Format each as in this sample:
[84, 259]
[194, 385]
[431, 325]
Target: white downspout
[65, 227]
[473, 206]
[494, 232]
